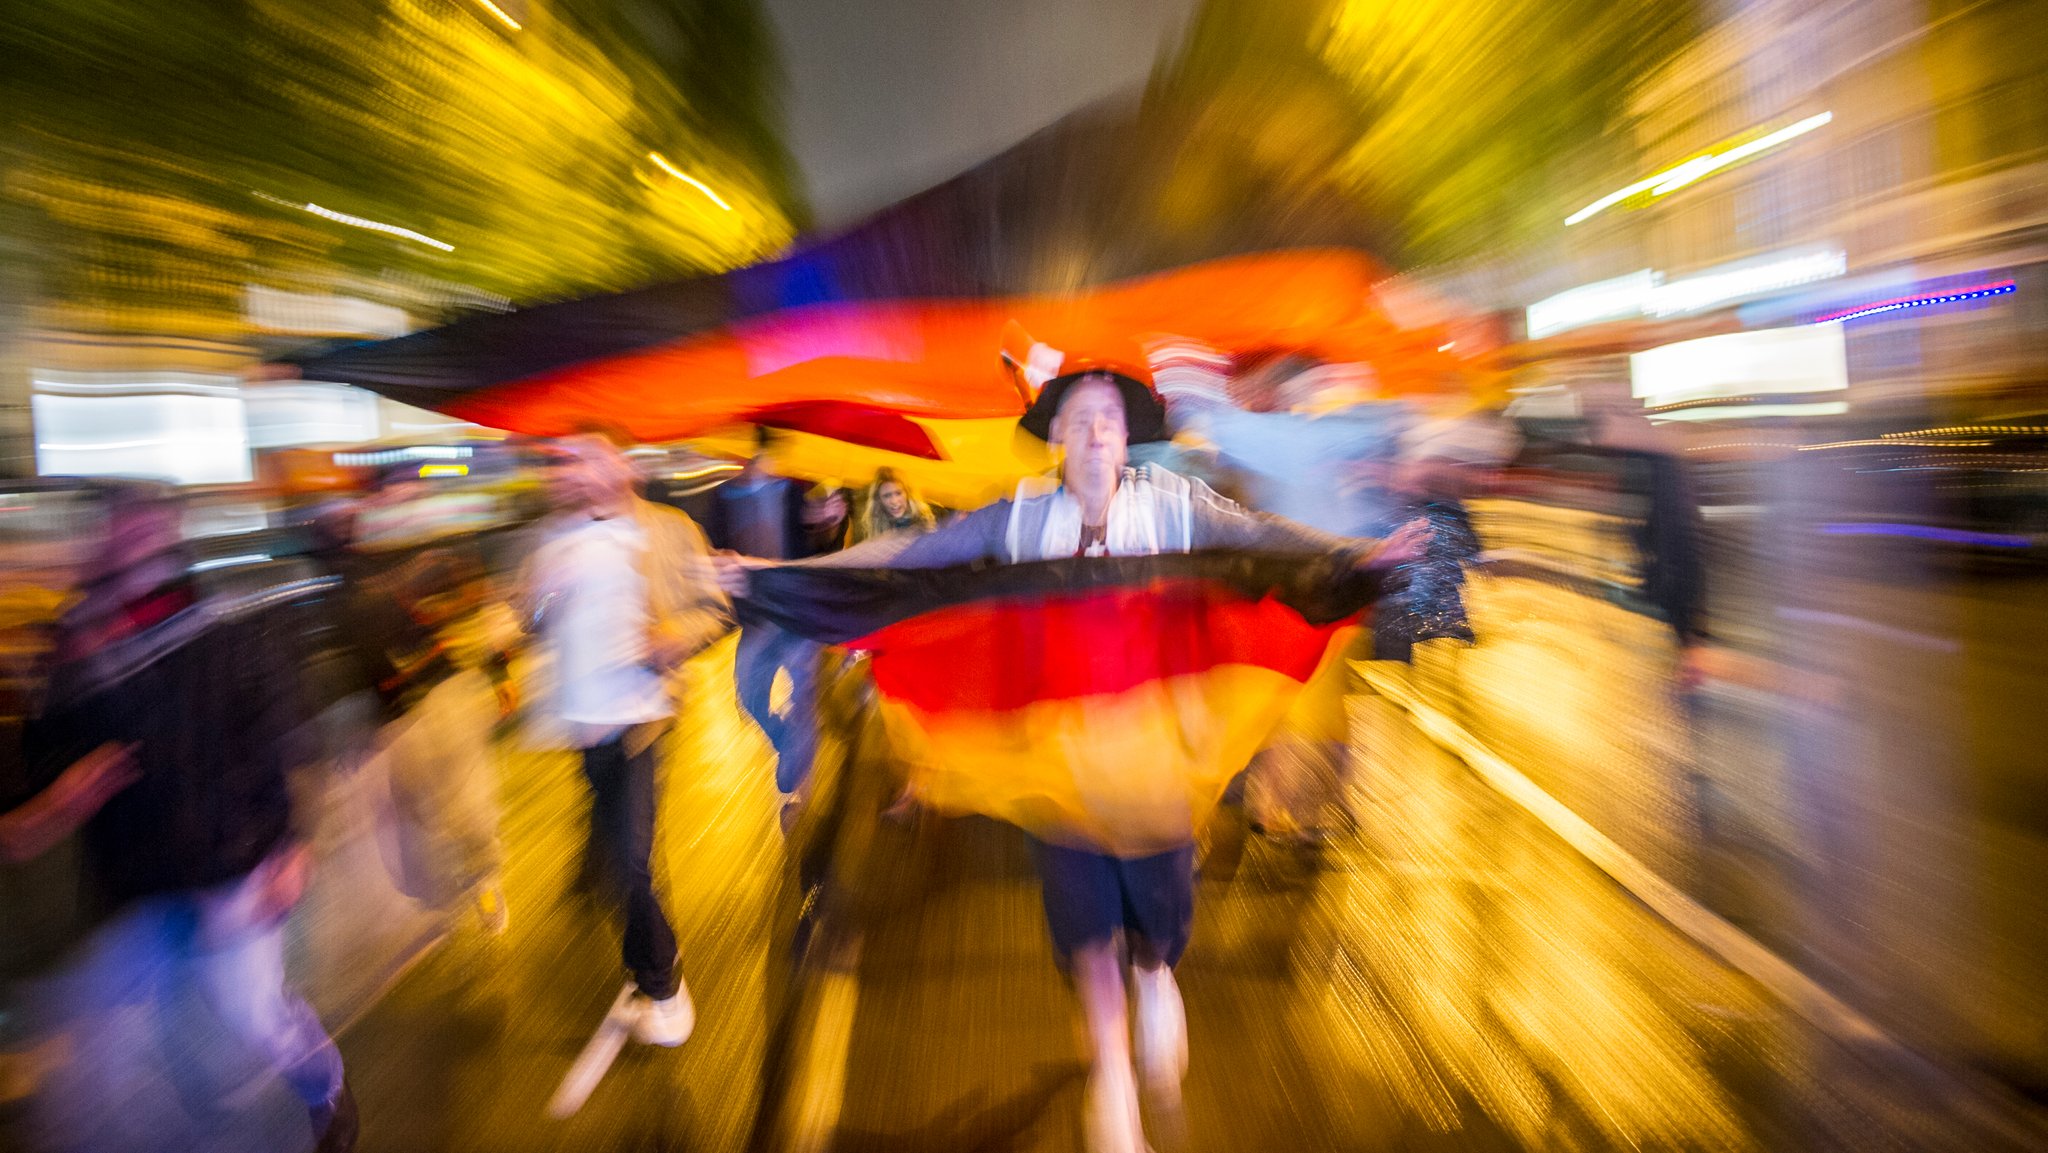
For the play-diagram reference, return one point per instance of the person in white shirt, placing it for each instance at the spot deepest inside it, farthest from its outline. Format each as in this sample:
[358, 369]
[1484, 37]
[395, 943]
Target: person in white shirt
[622, 591]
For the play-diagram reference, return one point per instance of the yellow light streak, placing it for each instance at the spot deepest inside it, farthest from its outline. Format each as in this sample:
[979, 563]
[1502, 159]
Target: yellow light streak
[688, 179]
[1672, 179]
[504, 17]
[708, 470]
[1972, 430]
[1890, 442]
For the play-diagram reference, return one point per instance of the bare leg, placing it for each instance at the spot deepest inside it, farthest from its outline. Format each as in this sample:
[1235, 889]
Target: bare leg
[1162, 1025]
[1112, 1120]
[1099, 979]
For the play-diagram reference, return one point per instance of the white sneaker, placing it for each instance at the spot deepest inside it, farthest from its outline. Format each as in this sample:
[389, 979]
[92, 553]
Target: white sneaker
[1162, 1029]
[1112, 1120]
[665, 1023]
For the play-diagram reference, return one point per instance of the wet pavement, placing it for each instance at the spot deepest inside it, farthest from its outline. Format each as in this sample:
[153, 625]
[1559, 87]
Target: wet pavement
[1445, 973]
[465, 1052]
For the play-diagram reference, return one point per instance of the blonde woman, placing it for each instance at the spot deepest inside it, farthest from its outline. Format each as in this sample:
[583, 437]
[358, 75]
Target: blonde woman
[887, 506]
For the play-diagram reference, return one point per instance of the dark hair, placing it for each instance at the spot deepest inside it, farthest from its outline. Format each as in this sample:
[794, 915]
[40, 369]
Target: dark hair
[1144, 415]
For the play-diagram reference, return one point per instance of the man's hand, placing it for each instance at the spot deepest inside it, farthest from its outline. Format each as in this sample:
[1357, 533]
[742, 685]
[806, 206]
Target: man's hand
[102, 773]
[734, 572]
[49, 817]
[1407, 544]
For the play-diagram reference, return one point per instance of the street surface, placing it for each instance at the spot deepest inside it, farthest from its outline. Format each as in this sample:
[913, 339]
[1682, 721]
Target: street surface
[1444, 974]
[1448, 976]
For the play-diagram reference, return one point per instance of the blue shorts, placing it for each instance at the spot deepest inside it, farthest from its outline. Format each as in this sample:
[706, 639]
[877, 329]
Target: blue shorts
[1089, 896]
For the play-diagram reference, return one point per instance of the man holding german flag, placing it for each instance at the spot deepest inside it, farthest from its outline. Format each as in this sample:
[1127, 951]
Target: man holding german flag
[1092, 664]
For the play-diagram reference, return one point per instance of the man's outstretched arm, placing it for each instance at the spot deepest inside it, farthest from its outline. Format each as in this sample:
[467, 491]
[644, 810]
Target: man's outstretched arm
[1219, 522]
[976, 536]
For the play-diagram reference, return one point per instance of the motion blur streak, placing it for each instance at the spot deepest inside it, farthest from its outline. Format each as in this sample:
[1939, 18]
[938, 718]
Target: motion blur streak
[359, 222]
[1669, 181]
[499, 15]
[1620, 730]
[688, 179]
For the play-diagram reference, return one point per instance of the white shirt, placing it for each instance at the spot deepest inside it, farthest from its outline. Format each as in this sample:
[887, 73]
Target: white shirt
[597, 618]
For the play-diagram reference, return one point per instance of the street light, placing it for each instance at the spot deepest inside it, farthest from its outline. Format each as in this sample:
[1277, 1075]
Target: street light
[688, 179]
[503, 16]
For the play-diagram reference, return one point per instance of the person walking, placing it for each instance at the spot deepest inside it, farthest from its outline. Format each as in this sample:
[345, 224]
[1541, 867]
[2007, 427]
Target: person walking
[166, 738]
[622, 594]
[435, 642]
[761, 514]
[1120, 924]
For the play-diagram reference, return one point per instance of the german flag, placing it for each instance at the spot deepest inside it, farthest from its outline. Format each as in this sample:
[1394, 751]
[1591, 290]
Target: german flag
[1098, 703]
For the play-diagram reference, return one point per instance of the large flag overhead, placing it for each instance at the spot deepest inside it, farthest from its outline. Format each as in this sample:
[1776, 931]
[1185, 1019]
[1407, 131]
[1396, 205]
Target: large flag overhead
[1085, 235]
[1098, 703]
[679, 361]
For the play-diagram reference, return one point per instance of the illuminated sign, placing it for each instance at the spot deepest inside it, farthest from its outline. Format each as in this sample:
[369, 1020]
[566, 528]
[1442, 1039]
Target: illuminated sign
[1804, 359]
[381, 457]
[1618, 299]
[308, 412]
[1753, 411]
[1729, 283]
[1647, 293]
[186, 428]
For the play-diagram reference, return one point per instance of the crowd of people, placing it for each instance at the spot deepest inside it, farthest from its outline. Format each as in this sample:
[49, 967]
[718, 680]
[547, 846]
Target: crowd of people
[171, 720]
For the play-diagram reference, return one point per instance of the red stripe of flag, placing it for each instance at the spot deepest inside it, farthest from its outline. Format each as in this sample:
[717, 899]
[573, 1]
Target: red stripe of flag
[998, 655]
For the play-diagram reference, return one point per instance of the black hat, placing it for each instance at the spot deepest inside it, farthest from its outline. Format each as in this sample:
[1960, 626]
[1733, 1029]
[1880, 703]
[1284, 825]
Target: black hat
[1144, 414]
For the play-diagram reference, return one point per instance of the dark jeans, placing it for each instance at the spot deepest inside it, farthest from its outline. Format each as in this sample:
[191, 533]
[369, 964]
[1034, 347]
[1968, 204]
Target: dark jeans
[622, 806]
[763, 650]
